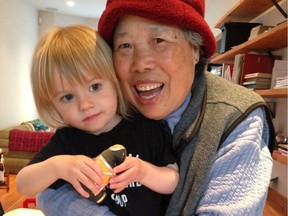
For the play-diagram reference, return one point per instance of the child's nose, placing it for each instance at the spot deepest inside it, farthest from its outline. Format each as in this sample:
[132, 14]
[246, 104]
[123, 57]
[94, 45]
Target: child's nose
[85, 103]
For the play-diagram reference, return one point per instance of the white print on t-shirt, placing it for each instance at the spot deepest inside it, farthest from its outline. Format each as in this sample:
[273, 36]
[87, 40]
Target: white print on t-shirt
[120, 199]
[134, 184]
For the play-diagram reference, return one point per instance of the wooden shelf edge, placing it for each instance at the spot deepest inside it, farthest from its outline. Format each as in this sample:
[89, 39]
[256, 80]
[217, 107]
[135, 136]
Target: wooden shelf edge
[256, 43]
[273, 93]
[280, 158]
[250, 10]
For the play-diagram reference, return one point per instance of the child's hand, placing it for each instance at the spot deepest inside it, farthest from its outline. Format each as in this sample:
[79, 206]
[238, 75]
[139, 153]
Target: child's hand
[131, 170]
[80, 169]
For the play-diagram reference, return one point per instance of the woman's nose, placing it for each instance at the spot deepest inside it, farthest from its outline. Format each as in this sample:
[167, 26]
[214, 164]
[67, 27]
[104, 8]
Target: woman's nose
[143, 59]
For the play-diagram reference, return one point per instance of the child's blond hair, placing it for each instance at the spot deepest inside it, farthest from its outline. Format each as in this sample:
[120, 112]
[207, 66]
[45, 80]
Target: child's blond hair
[72, 51]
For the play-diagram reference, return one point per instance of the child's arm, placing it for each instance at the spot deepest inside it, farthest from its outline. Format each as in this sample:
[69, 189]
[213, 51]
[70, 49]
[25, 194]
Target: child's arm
[160, 179]
[34, 178]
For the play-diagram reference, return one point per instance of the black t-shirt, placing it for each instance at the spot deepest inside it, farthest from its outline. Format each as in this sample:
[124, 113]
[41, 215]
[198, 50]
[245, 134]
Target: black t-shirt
[147, 139]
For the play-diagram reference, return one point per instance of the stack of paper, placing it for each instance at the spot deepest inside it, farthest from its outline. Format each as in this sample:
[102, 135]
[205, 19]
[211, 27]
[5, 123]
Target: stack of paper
[279, 74]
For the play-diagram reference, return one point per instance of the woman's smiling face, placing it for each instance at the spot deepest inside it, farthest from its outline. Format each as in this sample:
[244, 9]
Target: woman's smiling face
[155, 64]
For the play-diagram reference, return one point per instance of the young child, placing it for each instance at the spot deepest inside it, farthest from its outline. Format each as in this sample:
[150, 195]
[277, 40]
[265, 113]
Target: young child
[77, 92]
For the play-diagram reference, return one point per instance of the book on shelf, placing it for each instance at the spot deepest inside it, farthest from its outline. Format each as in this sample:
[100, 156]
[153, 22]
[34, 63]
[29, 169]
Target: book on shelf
[237, 68]
[253, 63]
[257, 75]
[256, 82]
[257, 86]
[259, 82]
[228, 71]
[258, 79]
[279, 72]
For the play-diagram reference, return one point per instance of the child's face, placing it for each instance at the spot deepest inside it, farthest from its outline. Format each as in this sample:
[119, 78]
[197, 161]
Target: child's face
[90, 106]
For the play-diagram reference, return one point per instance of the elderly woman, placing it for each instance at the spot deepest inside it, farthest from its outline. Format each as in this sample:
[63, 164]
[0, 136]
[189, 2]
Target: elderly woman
[222, 133]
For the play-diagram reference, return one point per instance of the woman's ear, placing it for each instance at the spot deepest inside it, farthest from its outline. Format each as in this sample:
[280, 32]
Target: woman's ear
[196, 54]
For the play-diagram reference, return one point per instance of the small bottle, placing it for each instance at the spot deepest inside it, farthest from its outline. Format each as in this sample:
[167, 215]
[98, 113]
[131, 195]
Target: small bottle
[107, 160]
[2, 170]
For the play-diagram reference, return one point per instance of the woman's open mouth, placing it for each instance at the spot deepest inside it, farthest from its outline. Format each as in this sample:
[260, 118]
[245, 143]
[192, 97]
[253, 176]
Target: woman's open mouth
[149, 91]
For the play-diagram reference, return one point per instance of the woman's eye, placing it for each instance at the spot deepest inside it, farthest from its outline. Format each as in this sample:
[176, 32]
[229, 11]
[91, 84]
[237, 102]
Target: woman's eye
[158, 40]
[95, 87]
[67, 98]
[125, 46]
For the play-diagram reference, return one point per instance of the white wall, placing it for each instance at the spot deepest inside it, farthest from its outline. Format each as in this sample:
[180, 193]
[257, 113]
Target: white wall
[215, 10]
[18, 36]
[48, 19]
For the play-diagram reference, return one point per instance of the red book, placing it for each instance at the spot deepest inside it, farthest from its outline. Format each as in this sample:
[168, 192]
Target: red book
[253, 63]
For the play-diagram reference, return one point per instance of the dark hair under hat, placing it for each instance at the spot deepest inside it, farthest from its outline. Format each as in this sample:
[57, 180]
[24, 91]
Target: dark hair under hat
[182, 13]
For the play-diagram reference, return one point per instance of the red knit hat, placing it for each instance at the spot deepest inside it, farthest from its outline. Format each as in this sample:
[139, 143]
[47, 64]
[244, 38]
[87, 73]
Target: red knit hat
[182, 13]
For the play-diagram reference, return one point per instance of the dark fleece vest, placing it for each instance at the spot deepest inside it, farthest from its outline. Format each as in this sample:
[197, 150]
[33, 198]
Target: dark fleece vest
[215, 109]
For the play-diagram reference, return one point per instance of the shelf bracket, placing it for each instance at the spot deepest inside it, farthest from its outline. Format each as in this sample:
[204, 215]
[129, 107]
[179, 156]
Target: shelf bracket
[279, 8]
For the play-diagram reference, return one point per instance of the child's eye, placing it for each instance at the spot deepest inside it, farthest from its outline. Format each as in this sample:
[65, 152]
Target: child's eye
[67, 98]
[95, 87]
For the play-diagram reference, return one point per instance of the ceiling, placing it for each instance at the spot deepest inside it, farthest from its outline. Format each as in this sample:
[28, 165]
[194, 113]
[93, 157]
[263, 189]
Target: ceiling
[94, 8]
[83, 8]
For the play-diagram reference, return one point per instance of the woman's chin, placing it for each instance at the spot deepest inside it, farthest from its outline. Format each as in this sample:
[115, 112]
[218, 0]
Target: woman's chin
[153, 113]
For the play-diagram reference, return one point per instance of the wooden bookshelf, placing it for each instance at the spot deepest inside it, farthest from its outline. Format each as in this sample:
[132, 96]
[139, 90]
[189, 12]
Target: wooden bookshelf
[273, 93]
[273, 39]
[245, 11]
